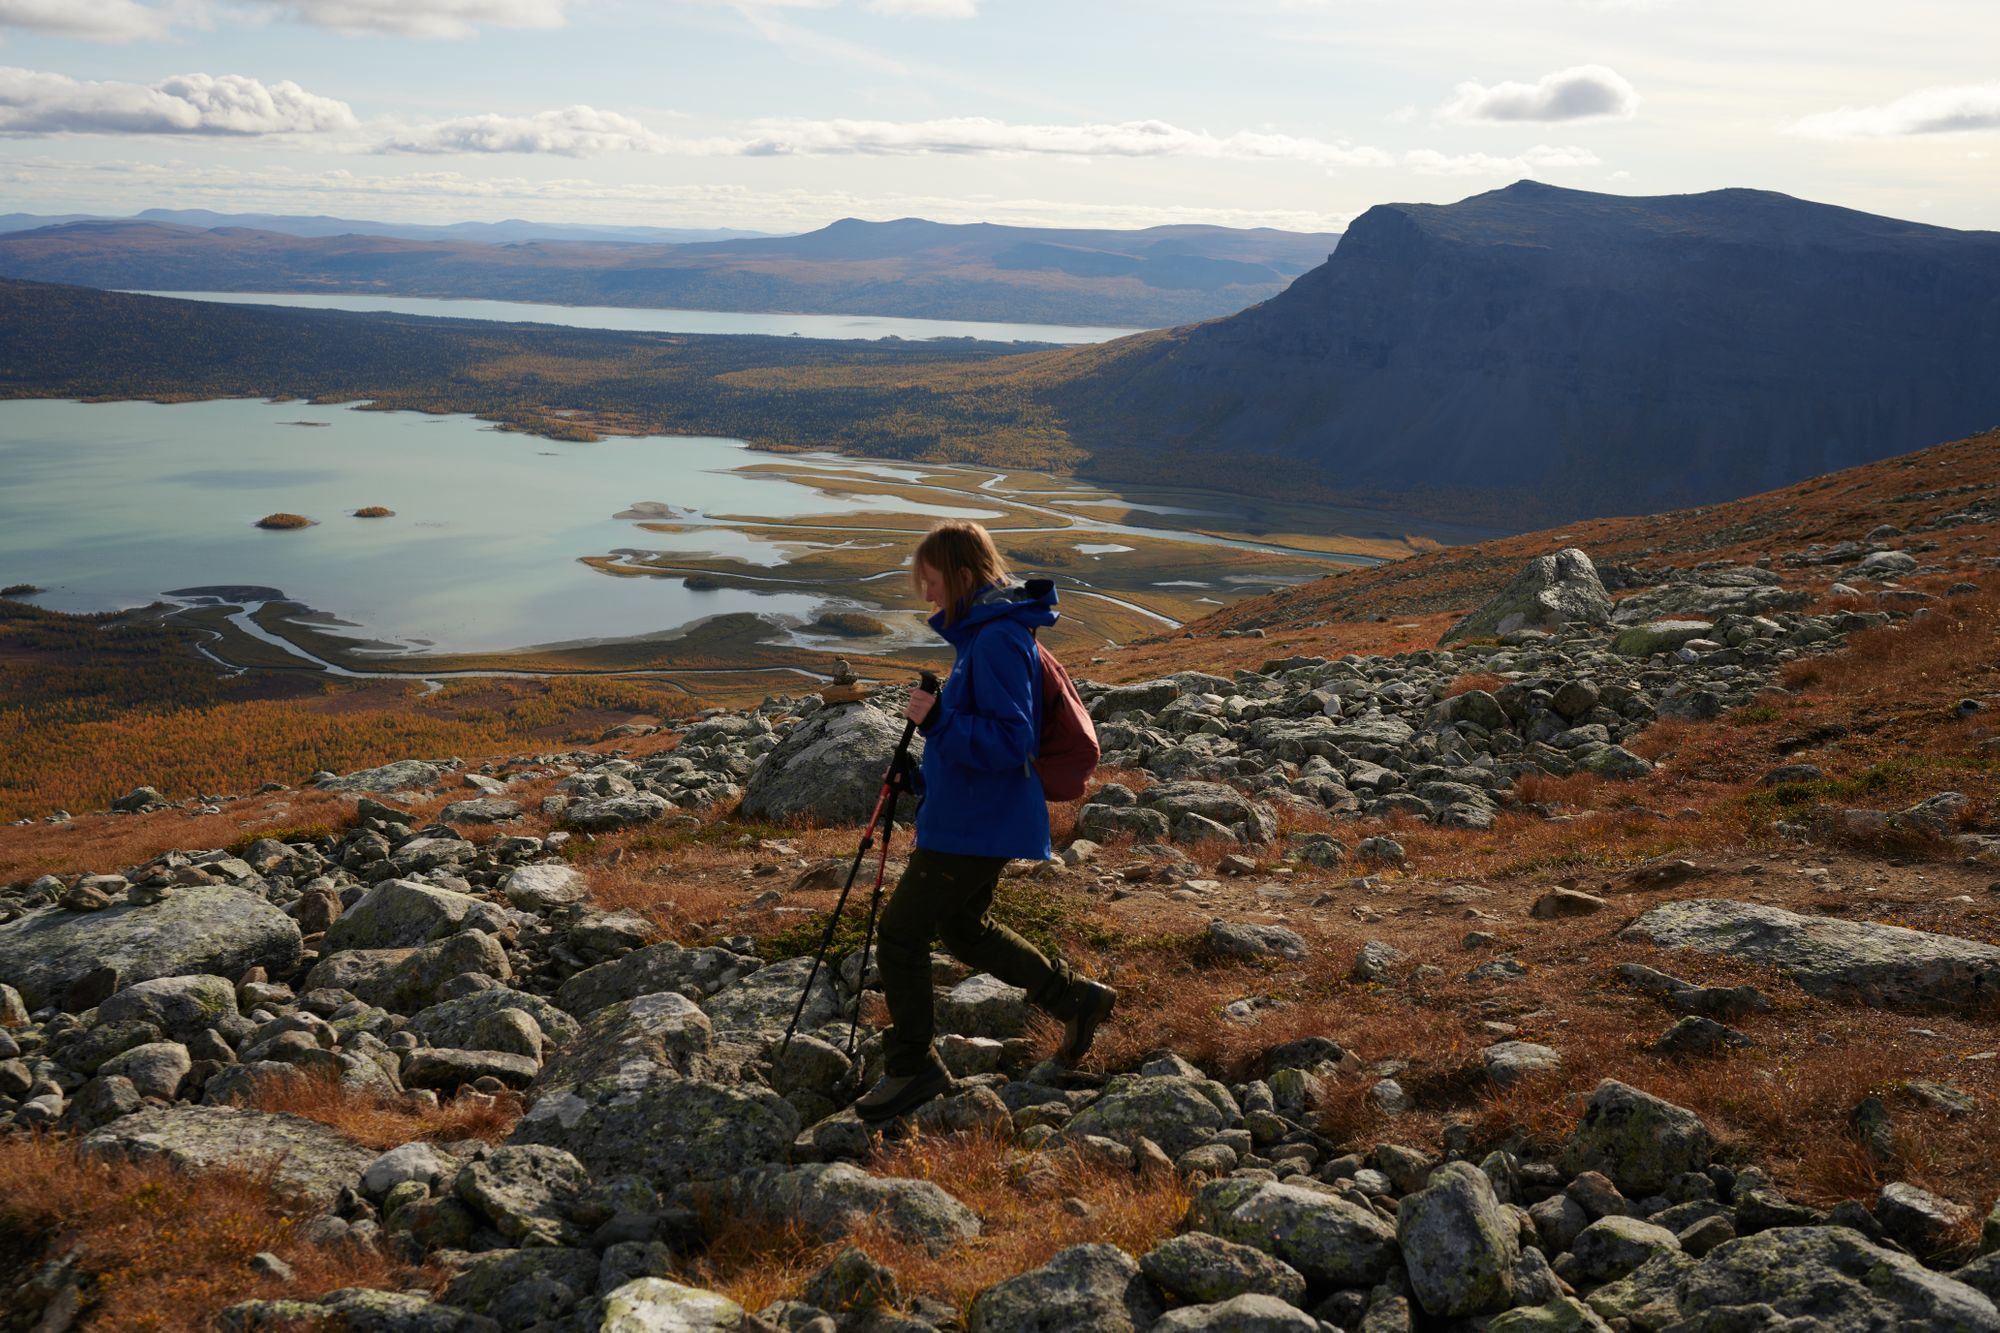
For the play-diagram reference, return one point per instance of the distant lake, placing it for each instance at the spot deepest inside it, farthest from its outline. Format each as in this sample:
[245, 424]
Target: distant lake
[631, 320]
[112, 505]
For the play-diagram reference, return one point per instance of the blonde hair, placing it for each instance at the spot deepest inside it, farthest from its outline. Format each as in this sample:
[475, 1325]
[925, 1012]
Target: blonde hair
[964, 554]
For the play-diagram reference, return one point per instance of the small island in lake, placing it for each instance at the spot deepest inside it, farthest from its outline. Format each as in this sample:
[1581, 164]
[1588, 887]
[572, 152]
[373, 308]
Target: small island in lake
[851, 624]
[282, 522]
[20, 590]
[374, 511]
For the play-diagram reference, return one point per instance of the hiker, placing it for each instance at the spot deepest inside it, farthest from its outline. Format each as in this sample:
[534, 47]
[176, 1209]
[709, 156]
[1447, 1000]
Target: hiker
[983, 804]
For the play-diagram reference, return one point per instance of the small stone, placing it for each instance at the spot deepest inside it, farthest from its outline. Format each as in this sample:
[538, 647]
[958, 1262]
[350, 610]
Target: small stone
[268, 1265]
[1698, 1035]
[1566, 903]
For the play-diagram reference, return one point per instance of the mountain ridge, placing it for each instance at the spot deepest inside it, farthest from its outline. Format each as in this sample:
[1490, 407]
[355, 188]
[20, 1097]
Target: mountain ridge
[910, 267]
[1584, 353]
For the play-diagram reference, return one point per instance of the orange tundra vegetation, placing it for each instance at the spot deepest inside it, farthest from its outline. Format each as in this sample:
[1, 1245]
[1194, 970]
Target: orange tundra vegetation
[1025, 1211]
[164, 1252]
[98, 705]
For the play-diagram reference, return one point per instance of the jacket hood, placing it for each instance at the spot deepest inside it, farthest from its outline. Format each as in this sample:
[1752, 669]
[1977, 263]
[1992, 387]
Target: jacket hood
[1031, 604]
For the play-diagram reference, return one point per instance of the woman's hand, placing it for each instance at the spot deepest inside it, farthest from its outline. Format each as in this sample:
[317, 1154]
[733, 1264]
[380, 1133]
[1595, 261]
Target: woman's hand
[920, 705]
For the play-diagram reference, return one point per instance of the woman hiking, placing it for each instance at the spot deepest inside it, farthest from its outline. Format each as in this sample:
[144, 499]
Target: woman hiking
[982, 806]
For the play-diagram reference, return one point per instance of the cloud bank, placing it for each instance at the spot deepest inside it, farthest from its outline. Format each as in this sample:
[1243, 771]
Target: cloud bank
[1947, 110]
[1582, 92]
[419, 18]
[33, 102]
[574, 131]
[93, 20]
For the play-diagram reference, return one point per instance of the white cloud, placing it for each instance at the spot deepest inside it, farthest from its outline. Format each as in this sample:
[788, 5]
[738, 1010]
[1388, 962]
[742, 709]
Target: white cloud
[1540, 158]
[1581, 92]
[416, 18]
[929, 9]
[1974, 106]
[979, 136]
[94, 20]
[582, 131]
[574, 131]
[33, 102]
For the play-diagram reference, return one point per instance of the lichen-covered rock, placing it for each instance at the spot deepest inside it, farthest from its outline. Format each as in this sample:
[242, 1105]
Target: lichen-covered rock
[1564, 1314]
[695, 973]
[154, 1070]
[657, 1305]
[543, 888]
[985, 1006]
[448, 1068]
[205, 929]
[757, 1008]
[1647, 1293]
[1198, 1267]
[1176, 1113]
[630, 1041]
[851, 1281]
[604, 814]
[1549, 592]
[1250, 1313]
[830, 1199]
[180, 1007]
[357, 1309]
[423, 1162]
[305, 1159]
[1611, 1247]
[455, 1022]
[405, 980]
[1509, 1062]
[1659, 636]
[1459, 1246]
[525, 1287]
[1638, 1140]
[1920, 1221]
[403, 775]
[524, 1190]
[405, 913]
[1885, 966]
[829, 768]
[1248, 939]
[481, 810]
[660, 1126]
[1329, 1240]
[1095, 1287]
[1832, 1279]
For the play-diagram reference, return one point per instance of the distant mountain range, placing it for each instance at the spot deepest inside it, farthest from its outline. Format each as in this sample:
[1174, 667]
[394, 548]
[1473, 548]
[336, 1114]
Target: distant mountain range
[1551, 353]
[291, 224]
[910, 267]
[1520, 358]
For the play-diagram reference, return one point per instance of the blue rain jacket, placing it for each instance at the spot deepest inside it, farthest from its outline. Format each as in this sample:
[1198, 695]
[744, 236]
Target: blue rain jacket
[981, 793]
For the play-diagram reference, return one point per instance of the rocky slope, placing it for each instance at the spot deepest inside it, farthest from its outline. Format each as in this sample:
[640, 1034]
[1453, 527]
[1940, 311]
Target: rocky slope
[1628, 960]
[1551, 353]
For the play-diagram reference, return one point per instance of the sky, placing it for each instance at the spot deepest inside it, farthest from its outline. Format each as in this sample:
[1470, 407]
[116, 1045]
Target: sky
[784, 115]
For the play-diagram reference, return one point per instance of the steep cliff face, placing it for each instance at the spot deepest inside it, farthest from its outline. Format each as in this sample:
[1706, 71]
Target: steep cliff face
[1587, 353]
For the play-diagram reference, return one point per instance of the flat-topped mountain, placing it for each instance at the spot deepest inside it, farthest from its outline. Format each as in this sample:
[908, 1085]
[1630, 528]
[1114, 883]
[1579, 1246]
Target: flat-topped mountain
[1575, 353]
[909, 267]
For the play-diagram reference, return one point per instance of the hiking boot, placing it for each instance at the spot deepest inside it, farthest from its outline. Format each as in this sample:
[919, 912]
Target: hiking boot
[1094, 1001]
[894, 1096]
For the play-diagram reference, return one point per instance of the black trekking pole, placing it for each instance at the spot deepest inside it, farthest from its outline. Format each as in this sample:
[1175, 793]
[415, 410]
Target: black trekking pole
[894, 778]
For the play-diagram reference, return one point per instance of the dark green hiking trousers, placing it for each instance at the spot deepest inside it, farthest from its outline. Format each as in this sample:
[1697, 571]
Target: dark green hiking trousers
[945, 896]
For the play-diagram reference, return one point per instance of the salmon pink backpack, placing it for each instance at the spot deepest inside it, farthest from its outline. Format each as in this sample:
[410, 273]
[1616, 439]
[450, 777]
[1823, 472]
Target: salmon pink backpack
[1069, 751]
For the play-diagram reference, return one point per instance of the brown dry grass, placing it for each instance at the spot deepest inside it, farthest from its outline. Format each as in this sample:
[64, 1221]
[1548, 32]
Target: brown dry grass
[1475, 680]
[165, 1252]
[375, 1122]
[1020, 1199]
[110, 842]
